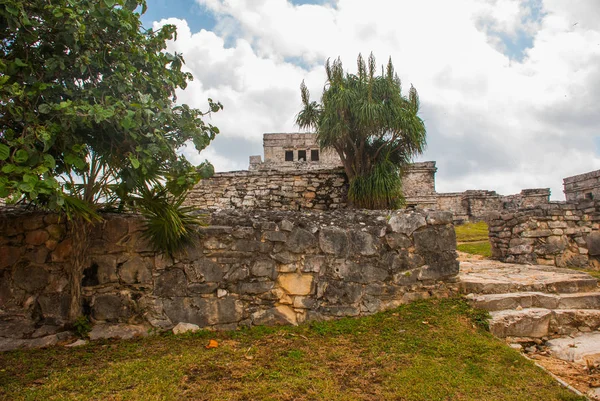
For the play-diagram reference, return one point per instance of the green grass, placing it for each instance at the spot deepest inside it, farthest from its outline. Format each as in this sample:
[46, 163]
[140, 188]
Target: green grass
[473, 238]
[469, 232]
[483, 248]
[428, 350]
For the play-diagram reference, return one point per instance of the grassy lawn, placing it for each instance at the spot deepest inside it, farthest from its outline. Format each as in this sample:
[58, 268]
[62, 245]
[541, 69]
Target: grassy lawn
[470, 232]
[483, 248]
[428, 350]
[473, 238]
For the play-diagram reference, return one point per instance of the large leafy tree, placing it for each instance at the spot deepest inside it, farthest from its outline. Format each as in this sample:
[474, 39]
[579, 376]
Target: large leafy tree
[88, 115]
[373, 127]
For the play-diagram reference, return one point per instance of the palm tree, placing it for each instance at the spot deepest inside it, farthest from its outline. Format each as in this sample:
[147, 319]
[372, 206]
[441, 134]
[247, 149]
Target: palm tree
[374, 129]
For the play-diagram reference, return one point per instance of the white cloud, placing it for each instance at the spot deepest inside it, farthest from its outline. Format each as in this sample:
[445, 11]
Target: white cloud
[493, 122]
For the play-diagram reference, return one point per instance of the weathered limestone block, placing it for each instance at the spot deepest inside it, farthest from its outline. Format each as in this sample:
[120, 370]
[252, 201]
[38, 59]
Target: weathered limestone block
[111, 308]
[204, 270]
[359, 273]
[37, 237]
[398, 241]
[115, 229]
[264, 268]
[136, 271]
[593, 243]
[30, 278]
[363, 243]
[300, 240]
[334, 241]
[280, 315]
[203, 311]
[296, 284]
[171, 283]
[406, 223]
[255, 287]
[9, 255]
[339, 292]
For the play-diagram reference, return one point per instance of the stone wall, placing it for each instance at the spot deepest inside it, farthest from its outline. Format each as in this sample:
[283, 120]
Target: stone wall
[475, 205]
[272, 189]
[559, 234]
[582, 187]
[249, 268]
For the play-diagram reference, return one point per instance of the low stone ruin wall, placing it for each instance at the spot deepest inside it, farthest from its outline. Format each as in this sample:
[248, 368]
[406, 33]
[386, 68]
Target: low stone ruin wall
[559, 234]
[272, 189]
[477, 205]
[249, 268]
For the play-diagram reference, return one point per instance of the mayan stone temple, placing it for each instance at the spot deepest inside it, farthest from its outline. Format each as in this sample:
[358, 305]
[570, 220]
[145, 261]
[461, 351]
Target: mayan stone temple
[296, 174]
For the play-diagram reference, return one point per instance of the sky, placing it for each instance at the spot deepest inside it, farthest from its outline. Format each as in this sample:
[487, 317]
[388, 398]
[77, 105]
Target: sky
[509, 89]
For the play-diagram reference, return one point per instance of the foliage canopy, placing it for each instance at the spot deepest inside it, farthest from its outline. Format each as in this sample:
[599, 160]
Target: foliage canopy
[87, 105]
[373, 127]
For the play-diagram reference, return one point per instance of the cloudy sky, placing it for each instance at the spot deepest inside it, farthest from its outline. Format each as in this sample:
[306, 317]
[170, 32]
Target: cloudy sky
[509, 89]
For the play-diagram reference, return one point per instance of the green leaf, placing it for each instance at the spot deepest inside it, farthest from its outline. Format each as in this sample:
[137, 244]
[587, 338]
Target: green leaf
[134, 161]
[109, 3]
[8, 168]
[21, 156]
[4, 152]
[20, 63]
[44, 108]
[49, 161]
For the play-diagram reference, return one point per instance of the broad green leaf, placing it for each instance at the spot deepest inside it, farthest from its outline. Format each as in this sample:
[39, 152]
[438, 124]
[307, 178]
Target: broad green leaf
[20, 63]
[8, 168]
[4, 152]
[134, 161]
[21, 156]
[44, 108]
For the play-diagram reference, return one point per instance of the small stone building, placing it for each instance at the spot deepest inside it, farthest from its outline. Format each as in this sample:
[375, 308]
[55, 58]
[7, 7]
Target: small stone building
[582, 187]
[296, 174]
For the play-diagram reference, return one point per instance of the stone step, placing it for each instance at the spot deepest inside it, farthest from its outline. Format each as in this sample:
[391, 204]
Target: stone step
[543, 322]
[497, 278]
[514, 300]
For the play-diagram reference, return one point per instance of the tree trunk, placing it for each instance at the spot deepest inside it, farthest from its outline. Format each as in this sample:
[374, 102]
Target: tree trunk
[79, 233]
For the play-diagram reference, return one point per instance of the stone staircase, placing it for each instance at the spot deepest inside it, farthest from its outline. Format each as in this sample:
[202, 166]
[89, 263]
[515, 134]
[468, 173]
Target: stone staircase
[532, 302]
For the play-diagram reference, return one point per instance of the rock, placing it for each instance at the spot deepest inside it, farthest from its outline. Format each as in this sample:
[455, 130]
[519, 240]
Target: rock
[182, 328]
[300, 240]
[314, 263]
[264, 268]
[171, 283]
[9, 344]
[437, 217]
[203, 311]
[221, 293]
[236, 274]
[296, 284]
[107, 268]
[334, 241]
[359, 273]
[338, 292]
[111, 308]
[115, 229]
[363, 243]
[593, 243]
[406, 222]
[37, 237]
[202, 288]
[77, 343]
[255, 287]
[281, 315]
[398, 241]
[286, 225]
[31, 278]
[63, 251]
[136, 271]
[275, 236]
[9, 255]
[120, 331]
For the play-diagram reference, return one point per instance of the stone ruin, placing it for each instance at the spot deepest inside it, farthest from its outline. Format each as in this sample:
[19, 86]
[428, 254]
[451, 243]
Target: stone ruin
[297, 175]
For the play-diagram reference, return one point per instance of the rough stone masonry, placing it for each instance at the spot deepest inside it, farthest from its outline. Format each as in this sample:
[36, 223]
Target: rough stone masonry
[249, 268]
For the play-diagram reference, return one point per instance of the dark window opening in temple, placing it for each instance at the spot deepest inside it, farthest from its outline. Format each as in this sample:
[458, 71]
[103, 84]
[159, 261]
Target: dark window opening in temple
[314, 155]
[289, 155]
[302, 155]
[589, 196]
